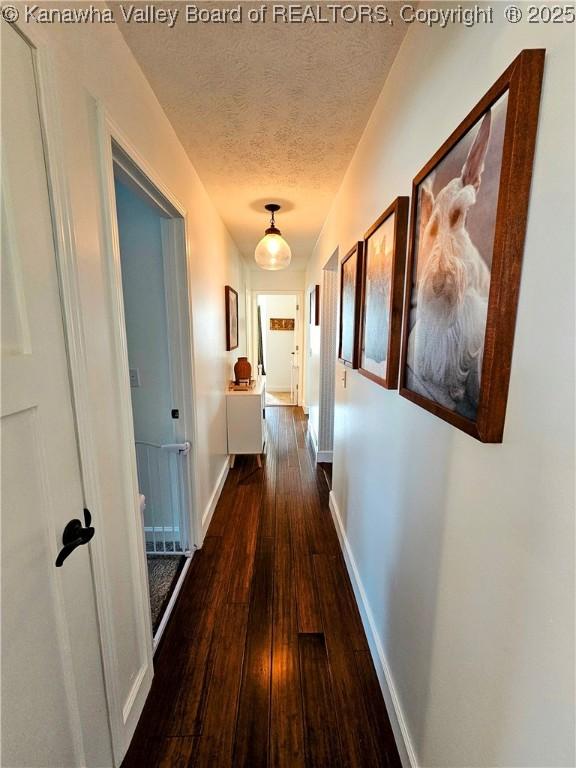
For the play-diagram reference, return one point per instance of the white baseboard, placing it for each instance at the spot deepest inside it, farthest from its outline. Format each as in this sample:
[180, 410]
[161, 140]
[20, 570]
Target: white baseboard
[313, 436]
[324, 456]
[397, 719]
[173, 598]
[306, 410]
[209, 511]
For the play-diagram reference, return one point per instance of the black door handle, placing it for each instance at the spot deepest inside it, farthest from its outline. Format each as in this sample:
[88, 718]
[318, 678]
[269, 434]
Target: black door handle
[74, 535]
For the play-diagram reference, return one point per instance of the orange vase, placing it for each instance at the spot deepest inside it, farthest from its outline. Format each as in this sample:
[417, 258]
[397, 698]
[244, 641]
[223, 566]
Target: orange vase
[242, 370]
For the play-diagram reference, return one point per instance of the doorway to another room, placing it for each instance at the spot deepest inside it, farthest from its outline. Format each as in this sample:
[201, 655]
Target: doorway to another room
[153, 268]
[278, 346]
[327, 364]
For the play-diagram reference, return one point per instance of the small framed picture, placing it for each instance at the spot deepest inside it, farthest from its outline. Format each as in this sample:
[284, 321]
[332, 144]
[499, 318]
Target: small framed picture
[282, 323]
[231, 297]
[382, 288]
[315, 305]
[467, 230]
[350, 306]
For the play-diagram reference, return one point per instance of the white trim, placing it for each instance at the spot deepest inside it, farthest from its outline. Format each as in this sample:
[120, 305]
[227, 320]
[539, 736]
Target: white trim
[134, 703]
[134, 694]
[136, 179]
[328, 354]
[65, 248]
[178, 295]
[321, 456]
[180, 334]
[306, 410]
[313, 436]
[397, 719]
[173, 597]
[113, 142]
[300, 339]
[211, 506]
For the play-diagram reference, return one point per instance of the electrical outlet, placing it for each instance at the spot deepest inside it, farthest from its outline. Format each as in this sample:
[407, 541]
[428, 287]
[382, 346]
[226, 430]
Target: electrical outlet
[134, 377]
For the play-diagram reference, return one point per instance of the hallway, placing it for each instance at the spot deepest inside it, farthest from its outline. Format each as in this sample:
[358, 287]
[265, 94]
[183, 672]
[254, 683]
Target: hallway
[265, 661]
[287, 238]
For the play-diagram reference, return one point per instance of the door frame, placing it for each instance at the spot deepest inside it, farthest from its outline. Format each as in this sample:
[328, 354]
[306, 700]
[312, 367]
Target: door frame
[253, 326]
[114, 146]
[177, 303]
[327, 359]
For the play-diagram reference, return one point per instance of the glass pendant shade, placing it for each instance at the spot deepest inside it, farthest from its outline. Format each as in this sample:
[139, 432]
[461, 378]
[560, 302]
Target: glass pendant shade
[273, 252]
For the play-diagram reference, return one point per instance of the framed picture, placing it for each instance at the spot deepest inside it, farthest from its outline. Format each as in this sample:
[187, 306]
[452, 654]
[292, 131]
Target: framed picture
[382, 292]
[231, 318]
[315, 305]
[467, 229]
[350, 306]
[281, 323]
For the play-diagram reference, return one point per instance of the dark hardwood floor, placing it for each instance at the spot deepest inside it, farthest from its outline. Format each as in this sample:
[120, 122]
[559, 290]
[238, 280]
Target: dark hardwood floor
[265, 661]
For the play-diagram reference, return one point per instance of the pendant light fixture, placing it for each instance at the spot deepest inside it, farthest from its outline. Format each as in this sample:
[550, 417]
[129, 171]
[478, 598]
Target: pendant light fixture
[272, 252]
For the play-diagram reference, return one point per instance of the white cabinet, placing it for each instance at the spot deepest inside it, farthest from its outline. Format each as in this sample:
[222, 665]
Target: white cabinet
[245, 418]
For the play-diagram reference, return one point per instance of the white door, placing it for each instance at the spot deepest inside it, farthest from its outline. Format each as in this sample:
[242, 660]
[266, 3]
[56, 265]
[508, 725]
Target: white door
[295, 371]
[50, 677]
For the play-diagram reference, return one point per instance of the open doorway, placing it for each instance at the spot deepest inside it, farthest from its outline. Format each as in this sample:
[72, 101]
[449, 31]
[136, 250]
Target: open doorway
[278, 328]
[328, 346]
[153, 270]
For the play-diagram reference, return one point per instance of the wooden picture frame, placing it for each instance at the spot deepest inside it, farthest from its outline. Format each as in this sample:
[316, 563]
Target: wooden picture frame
[314, 306]
[381, 304]
[282, 324]
[486, 387]
[350, 273]
[231, 301]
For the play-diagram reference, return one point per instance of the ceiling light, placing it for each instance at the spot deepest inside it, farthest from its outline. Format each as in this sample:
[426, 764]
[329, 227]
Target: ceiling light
[272, 252]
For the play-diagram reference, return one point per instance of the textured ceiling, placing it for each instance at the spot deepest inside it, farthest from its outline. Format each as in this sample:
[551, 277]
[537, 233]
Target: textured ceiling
[267, 112]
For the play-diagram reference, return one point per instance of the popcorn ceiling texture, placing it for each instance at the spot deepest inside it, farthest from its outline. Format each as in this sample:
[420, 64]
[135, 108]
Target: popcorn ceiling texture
[267, 112]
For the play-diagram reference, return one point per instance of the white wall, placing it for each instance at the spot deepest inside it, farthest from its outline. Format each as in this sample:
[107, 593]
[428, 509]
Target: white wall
[278, 345]
[465, 551]
[281, 280]
[92, 62]
[145, 313]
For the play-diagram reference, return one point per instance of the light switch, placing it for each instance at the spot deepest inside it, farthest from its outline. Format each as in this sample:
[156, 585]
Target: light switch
[134, 377]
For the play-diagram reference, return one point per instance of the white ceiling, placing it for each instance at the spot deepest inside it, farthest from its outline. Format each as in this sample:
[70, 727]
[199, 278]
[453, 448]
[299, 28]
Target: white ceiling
[267, 112]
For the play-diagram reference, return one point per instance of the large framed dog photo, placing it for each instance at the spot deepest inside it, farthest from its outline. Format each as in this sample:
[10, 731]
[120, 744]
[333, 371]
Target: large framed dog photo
[467, 229]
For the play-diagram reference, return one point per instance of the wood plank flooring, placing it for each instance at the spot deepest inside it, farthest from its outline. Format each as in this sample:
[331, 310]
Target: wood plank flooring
[265, 661]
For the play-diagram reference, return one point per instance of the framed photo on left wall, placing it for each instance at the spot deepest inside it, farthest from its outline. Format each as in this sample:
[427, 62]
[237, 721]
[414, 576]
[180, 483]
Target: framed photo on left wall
[315, 305]
[231, 297]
